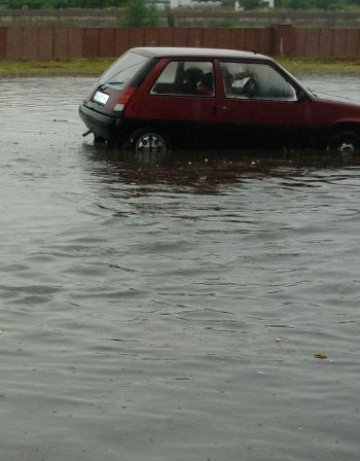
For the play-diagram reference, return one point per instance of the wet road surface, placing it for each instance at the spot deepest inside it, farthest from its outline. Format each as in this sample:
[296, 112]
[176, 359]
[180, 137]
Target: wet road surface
[203, 310]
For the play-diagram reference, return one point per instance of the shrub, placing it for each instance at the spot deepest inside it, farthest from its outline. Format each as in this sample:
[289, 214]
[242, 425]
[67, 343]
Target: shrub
[139, 14]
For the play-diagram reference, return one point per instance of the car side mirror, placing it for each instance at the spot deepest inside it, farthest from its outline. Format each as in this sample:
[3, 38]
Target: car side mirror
[301, 95]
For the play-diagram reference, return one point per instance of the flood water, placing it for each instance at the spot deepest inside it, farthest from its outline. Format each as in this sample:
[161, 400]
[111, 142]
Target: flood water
[172, 312]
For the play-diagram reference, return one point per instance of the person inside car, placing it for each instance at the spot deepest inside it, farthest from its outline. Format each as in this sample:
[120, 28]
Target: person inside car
[191, 79]
[206, 85]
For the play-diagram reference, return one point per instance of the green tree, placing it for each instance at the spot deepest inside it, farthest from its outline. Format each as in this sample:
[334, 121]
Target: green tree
[92, 3]
[140, 14]
[251, 4]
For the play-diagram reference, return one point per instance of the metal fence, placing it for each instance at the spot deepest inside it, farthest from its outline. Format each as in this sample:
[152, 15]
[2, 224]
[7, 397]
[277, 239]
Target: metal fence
[76, 42]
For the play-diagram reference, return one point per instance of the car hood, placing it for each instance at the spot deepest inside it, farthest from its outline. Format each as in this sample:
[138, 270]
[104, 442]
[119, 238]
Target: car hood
[326, 97]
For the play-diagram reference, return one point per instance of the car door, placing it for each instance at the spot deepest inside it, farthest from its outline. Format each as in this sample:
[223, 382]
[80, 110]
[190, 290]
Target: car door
[260, 108]
[181, 101]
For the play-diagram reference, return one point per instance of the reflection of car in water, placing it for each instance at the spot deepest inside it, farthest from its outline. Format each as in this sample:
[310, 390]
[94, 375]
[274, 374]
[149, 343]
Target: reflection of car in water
[152, 99]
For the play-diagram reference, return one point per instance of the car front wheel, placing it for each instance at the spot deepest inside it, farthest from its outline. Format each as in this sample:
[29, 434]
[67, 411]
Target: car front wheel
[345, 142]
[149, 141]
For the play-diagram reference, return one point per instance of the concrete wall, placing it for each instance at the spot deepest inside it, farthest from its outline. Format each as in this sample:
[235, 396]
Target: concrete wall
[71, 42]
[181, 17]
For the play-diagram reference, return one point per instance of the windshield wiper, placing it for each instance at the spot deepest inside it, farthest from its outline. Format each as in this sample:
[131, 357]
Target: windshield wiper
[115, 83]
[105, 85]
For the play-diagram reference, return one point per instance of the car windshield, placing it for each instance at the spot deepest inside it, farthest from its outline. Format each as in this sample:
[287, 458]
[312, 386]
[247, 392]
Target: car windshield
[123, 70]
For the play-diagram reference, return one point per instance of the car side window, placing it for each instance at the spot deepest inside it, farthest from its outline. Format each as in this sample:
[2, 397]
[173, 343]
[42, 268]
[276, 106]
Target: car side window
[255, 81]
[195, 78]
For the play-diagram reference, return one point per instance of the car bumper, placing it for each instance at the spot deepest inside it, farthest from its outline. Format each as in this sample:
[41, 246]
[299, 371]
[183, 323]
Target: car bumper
[100, 124]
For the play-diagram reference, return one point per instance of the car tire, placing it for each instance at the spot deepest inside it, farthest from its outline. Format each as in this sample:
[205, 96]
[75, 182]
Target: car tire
[99, 140]
[344, 142]
[148, 141]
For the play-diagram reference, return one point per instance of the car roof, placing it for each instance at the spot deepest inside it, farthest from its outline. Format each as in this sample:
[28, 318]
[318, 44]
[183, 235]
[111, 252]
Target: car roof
[191, 52]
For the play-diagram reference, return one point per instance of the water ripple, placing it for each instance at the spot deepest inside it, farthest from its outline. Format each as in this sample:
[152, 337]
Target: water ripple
[172, 310]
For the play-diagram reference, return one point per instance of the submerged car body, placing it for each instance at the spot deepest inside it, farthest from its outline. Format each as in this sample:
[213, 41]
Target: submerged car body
[155, 98]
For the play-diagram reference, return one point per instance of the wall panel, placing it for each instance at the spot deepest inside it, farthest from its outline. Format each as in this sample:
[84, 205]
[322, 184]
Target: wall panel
[45, 43]
[67, 42]
[91, 43]
[75, 42]
[122, 41]
[352, 44]
[106, 47]
[326, 43]
[3, 34]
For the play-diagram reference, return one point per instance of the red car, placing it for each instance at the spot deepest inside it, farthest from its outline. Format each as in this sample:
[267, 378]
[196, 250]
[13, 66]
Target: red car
[154, 99]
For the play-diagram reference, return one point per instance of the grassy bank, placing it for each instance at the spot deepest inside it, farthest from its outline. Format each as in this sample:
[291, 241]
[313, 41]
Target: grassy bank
[43, 68]
[94, 67]
[324, 66]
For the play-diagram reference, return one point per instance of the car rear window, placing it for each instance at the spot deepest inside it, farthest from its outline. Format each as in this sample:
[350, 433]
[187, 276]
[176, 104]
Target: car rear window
[195, 78]
[123, 70]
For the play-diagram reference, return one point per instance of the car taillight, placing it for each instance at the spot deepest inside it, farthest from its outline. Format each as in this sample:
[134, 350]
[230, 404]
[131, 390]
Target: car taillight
[124, 98]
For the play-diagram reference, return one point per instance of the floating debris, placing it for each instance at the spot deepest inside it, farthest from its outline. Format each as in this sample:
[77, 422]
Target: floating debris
[320, 355]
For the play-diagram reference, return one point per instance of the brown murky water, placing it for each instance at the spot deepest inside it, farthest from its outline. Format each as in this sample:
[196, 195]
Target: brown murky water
[156, 312]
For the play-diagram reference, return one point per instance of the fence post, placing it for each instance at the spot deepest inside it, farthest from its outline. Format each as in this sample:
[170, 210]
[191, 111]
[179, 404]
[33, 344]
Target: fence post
[283, 40]
[3, 34]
